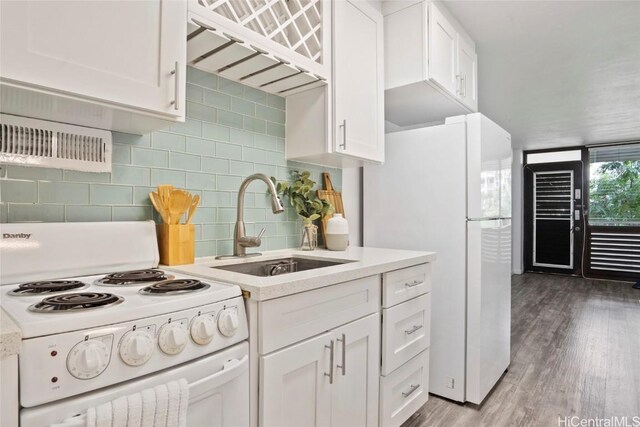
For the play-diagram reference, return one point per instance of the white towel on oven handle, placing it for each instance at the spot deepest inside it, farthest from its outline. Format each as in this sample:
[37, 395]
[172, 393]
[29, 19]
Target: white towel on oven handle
[79, 420]
[162, 406]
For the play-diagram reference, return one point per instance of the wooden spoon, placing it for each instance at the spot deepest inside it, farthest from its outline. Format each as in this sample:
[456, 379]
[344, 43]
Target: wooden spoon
[157, 203]
[192, 208]
[179, 203]
[165, 197]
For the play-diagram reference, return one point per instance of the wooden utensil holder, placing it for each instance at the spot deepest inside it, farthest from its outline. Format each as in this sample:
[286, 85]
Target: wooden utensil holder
[176, 243]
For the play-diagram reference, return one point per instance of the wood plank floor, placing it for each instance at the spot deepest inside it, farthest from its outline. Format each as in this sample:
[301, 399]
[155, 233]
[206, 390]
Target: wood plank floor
[575, 351]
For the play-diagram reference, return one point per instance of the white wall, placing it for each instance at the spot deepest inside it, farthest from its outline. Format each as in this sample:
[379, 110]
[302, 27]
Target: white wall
[377, 4]
[352, 202]
[516, 212]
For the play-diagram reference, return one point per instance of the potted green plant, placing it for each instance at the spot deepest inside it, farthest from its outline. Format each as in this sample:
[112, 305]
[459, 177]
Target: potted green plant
[306, 204]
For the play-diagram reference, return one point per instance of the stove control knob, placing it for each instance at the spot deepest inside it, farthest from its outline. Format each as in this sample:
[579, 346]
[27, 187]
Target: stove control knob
[202, 329]
[88, 359]
[228, 322]
[136, 348]
[172, 338]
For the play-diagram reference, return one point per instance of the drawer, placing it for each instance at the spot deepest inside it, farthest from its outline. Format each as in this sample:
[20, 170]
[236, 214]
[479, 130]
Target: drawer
[404, 284]
[284, 321]
[405, 331]
[404, 391]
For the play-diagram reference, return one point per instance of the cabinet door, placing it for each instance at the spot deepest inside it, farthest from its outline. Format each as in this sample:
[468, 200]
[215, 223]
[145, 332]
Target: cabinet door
[358, 80]
[467, 74]
[295, 387]
[442, 51]
[355, 390]
[115, 52]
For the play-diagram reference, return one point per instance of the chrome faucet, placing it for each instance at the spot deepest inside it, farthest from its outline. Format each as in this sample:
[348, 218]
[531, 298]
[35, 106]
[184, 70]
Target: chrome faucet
[240, 240]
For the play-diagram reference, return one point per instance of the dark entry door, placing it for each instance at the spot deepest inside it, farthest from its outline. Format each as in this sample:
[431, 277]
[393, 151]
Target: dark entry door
[553, 217]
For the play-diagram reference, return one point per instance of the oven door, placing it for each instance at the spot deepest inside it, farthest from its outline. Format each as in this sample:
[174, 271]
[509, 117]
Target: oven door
[218, 395]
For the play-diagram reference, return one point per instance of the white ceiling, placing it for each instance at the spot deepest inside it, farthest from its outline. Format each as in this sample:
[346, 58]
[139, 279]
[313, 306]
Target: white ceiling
[557, 73]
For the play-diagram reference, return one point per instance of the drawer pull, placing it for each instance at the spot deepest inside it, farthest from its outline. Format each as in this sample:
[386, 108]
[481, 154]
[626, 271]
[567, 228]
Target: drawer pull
[413, 284]
[413, 388]
[412, 330]
[330, 374]
[343, 340]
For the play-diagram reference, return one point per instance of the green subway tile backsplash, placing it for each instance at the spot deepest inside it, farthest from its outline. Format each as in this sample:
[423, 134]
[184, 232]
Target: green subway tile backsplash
[105, 194]
[63, 192]
[19, 191]
[231, 131]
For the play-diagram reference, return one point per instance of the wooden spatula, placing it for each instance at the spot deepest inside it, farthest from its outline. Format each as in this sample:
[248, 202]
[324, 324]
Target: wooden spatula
[157, 203]
[192, 208]
[179, 203]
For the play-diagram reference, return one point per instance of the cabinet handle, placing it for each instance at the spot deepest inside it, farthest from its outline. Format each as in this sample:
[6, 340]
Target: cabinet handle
[413, 329]
[176, 101]
[344, 134]
[413, 284]
[458, 85]
[464, 86]
[330, 374]
[413, 388]
[343, 340]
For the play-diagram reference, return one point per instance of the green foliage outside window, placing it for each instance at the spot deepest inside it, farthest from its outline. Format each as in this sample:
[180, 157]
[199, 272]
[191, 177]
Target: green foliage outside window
[614, 190]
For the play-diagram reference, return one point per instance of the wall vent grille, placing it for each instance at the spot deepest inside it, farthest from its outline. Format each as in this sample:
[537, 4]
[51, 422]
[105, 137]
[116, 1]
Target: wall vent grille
[39, 143]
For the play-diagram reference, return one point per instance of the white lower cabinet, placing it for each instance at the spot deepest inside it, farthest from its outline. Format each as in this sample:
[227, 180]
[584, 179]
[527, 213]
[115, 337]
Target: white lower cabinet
[406, 337]
[404, 391]
[326, 357]
[406, 332]
[9, 405]
[354, 400]
[328, 380]
[294, 390]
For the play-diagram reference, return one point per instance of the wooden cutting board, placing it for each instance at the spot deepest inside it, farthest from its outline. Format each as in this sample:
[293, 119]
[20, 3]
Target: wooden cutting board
[332, 196]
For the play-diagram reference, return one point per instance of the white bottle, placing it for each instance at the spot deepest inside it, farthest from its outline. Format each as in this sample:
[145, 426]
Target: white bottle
[337, 233]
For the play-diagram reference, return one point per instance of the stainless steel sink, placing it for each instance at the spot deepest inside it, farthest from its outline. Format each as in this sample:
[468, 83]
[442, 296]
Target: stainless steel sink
[276, 267]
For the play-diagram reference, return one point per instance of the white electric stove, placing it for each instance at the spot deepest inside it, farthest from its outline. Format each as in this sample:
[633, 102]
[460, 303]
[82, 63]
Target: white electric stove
[96, 313]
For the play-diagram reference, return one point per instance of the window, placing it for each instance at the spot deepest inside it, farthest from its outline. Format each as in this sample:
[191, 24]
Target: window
[614, 185]
[554, 156]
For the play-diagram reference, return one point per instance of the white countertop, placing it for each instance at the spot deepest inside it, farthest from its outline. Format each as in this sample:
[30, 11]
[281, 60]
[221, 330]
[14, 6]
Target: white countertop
[10, 336]
[365, 262]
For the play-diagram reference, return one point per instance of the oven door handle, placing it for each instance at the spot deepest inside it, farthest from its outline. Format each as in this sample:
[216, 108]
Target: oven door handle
[204, 386]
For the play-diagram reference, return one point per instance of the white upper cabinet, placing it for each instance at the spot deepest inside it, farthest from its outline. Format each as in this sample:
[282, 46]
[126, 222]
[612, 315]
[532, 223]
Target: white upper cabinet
[357, 80]
[467, 74]
[105, 56]
[431, 65]
[442, 40]
[343, 124]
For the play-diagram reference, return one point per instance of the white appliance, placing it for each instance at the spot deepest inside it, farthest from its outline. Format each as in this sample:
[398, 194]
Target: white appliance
[100, 321]
[447, 189]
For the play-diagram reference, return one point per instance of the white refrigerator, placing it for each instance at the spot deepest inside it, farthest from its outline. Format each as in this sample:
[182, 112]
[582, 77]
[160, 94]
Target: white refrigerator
[447, 189]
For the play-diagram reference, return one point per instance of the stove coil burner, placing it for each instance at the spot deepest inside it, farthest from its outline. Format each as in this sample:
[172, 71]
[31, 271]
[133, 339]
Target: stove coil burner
[135, 277]
[76, 302]
[47, 287]
[173, 287]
